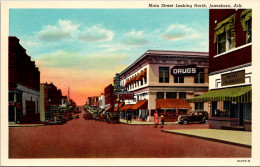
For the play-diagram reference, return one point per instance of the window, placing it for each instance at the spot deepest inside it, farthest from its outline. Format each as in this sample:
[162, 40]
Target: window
[171, 95]
[163, 74]
[178, 79]
[249, 31]
[199, 77]
[182, 95]
[199, 106]
[11, 97]
[225, 42]
[160, 95]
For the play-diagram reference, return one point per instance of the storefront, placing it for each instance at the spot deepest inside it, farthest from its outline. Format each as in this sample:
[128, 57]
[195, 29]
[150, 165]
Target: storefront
[168, 76]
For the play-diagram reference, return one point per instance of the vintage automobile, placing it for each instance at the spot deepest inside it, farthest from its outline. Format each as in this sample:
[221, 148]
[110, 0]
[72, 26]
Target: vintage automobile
[113, 117]
[194, 116]
[88, 116]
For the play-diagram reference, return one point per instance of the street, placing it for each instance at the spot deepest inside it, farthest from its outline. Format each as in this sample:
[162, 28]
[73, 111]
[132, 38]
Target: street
[80, 138]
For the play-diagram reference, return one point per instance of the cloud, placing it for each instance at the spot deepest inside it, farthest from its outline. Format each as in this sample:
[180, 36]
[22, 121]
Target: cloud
[135, 38]
[179, 32]
[96, 33]
[58, 59]
[64, 29]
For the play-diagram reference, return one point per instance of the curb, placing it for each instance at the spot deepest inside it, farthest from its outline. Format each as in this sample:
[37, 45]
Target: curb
[14, 126]
[210, 139]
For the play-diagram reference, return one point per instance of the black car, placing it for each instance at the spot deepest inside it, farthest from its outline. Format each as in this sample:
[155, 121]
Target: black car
[194, 116]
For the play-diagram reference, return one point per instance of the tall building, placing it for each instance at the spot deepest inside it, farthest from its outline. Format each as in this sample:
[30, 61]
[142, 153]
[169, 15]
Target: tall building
[230, 69]
[162, 80]
[23, 85]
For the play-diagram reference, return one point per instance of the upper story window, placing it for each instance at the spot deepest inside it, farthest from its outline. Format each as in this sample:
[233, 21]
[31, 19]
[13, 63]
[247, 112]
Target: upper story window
[199, 77]
[182, 95]
[163, 74]
[171, 95]
[160, 95]
[178, 79]
[246, 21]
[224, 36]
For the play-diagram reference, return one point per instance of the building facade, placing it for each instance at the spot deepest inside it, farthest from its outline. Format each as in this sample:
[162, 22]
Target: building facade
[170, 76]
[230, 70]
[23, 84]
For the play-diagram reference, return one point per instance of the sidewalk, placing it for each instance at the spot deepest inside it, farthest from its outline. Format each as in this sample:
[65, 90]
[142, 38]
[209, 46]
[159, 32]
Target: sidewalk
[239, 138]
[24, 125]
[137, 122]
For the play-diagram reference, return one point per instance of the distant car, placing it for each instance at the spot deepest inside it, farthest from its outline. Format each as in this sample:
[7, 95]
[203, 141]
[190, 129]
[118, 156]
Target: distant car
[194, 116]
[88, 116]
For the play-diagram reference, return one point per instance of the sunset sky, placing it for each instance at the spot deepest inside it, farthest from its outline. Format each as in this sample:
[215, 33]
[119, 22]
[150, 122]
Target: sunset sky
[84, 48]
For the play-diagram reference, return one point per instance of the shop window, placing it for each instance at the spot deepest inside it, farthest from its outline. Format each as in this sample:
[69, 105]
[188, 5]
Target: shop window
[160, 95]
[163, 74]
[171, 113]
[248, 111]
[234, 109]
[178, 79]
[182, 111]
[199, 106]
[11, 97]
[214, 111]
[226, 111]
[199, 77]
[171, 95]
[182, 95]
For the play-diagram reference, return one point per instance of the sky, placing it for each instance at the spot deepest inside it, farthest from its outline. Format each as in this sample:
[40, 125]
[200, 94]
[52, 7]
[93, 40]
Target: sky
[84, 48]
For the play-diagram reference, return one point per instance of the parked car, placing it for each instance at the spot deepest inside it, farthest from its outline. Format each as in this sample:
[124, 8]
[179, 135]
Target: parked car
[194, 116]
[88, 116]
[113, 117]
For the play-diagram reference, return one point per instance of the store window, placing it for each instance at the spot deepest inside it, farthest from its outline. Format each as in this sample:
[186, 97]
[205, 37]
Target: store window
[199, 77]
[171, 95]
[182, 95]
[11, 97]
[248, 111]
[160, 95]
[178, 79]
[163, 74]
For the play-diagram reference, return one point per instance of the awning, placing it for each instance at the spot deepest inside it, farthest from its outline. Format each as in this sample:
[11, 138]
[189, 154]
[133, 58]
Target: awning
[172, 104]
[142, 75]
[141, 104]
[237, 94]
[245, 16]
[118, 106]
[109, 109]
[126, 107]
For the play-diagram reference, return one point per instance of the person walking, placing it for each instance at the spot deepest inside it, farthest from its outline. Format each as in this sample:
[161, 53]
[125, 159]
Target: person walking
[162, 120]
[156, 119]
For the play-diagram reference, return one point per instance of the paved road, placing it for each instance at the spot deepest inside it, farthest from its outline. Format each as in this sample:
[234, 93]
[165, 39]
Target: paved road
[81, 138]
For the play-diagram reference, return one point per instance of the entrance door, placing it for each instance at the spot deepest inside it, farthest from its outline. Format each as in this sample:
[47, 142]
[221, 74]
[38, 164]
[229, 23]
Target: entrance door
[241, 115]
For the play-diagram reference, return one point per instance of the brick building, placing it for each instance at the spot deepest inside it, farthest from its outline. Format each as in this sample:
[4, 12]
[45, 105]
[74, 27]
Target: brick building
[23, 84]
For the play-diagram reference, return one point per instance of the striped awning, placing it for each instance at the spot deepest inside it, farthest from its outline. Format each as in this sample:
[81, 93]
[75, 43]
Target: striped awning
[242, 94]
[141, 104]
[118, 106]
[126, 107]
[172, 104]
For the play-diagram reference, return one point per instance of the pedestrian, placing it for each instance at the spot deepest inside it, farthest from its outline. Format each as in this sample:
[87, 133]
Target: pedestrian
[162, 120]
[129, 118]
[156, 119]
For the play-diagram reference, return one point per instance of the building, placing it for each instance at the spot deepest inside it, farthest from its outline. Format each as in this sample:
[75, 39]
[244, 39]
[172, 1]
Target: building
[230, 69]
[23, 85]
[50, 97]
[101, 100]
[162, 80]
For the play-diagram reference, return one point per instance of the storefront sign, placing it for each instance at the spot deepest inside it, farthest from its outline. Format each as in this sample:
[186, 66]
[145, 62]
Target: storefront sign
[128, 96]
[233, 78]
[184, 70]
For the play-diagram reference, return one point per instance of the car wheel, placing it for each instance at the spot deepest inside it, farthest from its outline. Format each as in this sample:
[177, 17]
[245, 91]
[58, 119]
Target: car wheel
[205, 120]
[185, 122]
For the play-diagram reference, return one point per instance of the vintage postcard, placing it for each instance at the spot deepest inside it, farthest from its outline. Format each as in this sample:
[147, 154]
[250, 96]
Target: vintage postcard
[111, 83]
